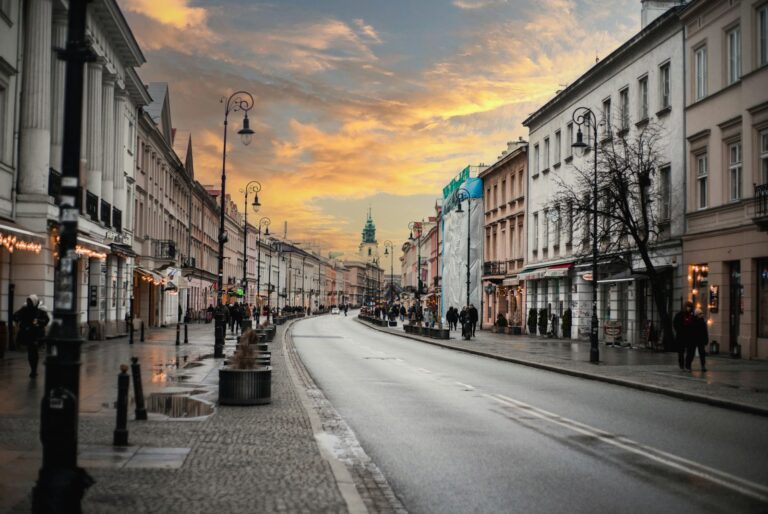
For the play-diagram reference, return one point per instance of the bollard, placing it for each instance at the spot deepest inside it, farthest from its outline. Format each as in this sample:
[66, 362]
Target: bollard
[178, 332]
[130, 331]
[141, 337]
[138, 389]
[186, 334]
[121, 431]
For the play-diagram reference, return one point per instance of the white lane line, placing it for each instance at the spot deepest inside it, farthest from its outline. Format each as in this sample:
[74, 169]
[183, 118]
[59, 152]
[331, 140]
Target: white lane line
[741, 485]
[466, 386]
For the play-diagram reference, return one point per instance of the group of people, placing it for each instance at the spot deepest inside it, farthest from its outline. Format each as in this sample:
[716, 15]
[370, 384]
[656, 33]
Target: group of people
[468, 317]
[691, 334]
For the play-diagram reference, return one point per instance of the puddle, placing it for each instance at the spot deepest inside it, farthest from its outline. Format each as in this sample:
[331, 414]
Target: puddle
[179, 405]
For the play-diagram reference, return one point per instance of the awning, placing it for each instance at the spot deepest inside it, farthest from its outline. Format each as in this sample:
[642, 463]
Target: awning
[147, 273]
[122, 250]
[13, 237]
[624, 276]
[532, 274]
[93, 244]
[560, 270]
[18, 231]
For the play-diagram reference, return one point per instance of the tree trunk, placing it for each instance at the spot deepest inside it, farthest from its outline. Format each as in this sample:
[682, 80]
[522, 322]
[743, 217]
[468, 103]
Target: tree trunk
[660, 301]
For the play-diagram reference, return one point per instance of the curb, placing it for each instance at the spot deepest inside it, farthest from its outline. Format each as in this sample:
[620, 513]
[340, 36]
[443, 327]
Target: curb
[682, 395]
[344, 480]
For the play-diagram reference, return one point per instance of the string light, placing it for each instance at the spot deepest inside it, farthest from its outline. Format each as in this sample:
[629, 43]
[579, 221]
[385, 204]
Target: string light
[91, 254]
[12, 243]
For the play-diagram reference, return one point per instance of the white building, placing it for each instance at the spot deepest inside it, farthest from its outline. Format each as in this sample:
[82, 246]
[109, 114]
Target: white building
[640, 83]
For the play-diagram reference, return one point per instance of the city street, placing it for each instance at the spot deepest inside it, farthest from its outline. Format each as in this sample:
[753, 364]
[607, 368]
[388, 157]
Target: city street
[453, 432]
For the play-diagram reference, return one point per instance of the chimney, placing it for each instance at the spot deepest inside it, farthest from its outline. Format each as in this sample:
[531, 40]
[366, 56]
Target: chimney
[652, 9]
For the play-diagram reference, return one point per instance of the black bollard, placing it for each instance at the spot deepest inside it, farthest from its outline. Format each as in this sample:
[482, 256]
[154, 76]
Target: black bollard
[121, 431]
[178, 332]
[138, 389]
[130, 330]
[186, 334]
[141, 337]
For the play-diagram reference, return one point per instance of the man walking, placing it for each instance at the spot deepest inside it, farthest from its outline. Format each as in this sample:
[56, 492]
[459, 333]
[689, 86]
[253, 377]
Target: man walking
[32, 321]
[682, 323]
[473, 318]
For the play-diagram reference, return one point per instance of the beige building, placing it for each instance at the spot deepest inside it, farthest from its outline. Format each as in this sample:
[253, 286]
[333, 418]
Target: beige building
[504, 185]
[725, 249]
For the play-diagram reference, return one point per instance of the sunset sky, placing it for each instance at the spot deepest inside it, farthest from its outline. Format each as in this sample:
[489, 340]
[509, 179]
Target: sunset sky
[364, 103]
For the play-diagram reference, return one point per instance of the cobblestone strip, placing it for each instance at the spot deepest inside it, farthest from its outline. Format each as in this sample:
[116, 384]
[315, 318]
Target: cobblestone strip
[340, 445]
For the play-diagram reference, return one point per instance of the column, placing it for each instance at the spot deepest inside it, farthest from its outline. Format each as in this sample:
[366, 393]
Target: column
[120, 195]
[93, 129]
[108, 141]
[58, 67]
[35, 137]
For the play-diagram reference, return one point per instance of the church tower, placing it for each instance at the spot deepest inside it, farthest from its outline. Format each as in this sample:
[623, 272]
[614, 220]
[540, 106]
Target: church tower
[369, 247]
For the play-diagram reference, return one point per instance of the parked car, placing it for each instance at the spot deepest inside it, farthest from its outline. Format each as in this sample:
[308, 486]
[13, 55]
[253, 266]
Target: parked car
[335, 310]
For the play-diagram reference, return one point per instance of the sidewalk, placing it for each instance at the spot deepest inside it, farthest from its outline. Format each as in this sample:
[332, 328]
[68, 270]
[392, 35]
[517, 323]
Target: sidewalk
[227, 459]
[737, 384]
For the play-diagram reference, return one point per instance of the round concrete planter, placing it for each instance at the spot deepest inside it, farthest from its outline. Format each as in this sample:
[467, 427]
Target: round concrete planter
[245, 386]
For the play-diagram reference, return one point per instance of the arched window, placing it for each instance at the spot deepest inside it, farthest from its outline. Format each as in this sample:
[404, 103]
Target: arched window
[369, 252]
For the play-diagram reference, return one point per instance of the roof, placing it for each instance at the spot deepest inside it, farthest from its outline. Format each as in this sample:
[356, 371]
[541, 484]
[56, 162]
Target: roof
[158, 92]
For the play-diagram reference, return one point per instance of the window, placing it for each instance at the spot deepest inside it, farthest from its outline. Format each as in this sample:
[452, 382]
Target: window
[569, 139]
[546, 153]
[624, 106]
[762, 36]
[734, 55]
[700, 70]
[664, 85]
[558, 225]
[536, 159]
[495, 195]
[642, 98]
[607, 117]
[535, 236]
[503, 191]
[701, 180]
[587, 133]
[569, 224]
[734, 170]
[665, 197]
[3, 124]
[764, 157]
[557, 146]
[545, 231]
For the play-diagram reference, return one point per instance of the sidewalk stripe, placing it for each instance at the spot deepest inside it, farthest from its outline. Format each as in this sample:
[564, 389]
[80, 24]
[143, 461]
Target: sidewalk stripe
[738, 484]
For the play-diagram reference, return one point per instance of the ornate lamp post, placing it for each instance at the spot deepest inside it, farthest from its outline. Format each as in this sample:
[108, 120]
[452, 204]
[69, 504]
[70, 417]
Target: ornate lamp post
[238, 101]
[583, 116]
[416, 225]
[463, 194]
[252, 187]
[389, 249]
[263, 222]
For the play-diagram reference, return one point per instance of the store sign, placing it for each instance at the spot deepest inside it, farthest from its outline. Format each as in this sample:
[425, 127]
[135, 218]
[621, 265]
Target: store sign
[587, 276]
[117, 237]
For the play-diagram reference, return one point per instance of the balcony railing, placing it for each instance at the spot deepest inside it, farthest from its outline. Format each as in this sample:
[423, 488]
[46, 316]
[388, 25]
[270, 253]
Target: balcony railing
[54, 183]
[106, 213]
[494, 268]
[117, 219]
[761, 206]
[92, 206]
[164, 249]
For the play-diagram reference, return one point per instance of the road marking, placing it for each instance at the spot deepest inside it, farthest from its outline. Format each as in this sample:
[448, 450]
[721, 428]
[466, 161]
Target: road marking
[741, 485]
[466, 386]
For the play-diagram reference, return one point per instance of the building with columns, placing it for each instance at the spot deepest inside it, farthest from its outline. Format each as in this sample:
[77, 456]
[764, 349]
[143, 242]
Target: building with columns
[113, 95]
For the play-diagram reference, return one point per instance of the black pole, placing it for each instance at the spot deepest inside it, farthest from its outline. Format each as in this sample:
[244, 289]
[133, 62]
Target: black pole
[594, 351]
[120, 436]
[141, 333]
[245, 249]
[61, 484]
[138, 389]
[130, 322]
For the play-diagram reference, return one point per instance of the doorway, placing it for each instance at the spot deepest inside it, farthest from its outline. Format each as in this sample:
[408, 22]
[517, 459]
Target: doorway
[735, 303]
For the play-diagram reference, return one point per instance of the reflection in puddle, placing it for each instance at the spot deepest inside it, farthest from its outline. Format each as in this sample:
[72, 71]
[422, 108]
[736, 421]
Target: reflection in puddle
[178, 405]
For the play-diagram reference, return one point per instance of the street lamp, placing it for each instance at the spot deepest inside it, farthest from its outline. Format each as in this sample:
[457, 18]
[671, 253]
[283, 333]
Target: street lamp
[585, 116]
[238, 101]
[251, 187]
[389, 249]
[463, 194]
[263, 222]
[416, 225]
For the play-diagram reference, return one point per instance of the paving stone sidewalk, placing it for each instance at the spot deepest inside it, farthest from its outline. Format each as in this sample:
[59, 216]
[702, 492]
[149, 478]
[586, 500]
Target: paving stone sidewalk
[738, 384]
[238, 459]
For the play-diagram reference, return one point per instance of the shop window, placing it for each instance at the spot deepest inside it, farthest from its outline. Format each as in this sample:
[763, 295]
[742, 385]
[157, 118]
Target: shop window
[762, 298]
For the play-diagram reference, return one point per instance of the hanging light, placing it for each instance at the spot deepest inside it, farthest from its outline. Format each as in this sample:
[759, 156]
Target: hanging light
[246, 133]
[256, 204]
[459, 209]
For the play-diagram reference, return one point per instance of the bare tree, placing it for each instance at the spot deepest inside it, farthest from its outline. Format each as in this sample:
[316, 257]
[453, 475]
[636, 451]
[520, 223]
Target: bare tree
[632, 207]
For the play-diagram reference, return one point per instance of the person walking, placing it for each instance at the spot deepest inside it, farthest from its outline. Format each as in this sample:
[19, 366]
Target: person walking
[32, 321]
[682, 323]
[474, 317]
[402, 313]
[466, 326]
[698, 340]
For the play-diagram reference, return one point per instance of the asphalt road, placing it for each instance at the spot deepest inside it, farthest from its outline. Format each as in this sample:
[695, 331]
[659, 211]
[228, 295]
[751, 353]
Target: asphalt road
[453, 432]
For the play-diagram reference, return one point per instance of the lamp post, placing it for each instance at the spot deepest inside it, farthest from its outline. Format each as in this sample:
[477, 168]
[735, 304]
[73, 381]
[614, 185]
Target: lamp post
[416, 225]
[251, 187]
[263, 222]
[463, 194]
[269, 278]
[238, 101]
[585, 116]
[389, 249]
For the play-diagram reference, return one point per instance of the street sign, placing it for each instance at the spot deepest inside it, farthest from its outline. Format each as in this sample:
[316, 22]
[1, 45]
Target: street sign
[587, 276]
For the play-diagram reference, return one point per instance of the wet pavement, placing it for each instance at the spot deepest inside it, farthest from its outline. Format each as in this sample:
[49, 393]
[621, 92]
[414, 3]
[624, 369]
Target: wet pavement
[739, 384]
[191, 455]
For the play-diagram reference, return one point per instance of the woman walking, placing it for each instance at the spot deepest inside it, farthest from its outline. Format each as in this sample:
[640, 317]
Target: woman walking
[699, 338]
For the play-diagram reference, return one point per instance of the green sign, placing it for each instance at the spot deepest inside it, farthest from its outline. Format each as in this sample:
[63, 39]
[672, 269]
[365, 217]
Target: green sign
[457, 181]
[239, 291]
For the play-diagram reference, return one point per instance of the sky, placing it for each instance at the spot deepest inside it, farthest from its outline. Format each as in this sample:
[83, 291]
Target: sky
[362, 104]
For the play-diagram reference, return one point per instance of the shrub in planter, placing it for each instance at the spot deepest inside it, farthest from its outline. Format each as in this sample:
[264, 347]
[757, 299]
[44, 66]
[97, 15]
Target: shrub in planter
[566, 323]
[543, 321]
[244, 381]
[532, 318]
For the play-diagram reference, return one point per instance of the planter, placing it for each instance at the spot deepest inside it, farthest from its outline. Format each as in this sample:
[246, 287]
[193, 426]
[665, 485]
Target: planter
[442, 333]
[245, 386]
[393, 323]
[246, 324]
[516, 331]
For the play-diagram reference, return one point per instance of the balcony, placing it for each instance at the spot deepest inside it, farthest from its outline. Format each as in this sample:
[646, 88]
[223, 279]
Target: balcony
[495, 268]
[92, 206]
[117, 219]
[106, 213]
[164, 249]
[761, 207]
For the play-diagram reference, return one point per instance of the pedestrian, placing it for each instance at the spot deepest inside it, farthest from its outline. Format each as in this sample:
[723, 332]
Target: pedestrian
[698, 340]
[32, 321]
[466, 329]
[682, 323]
[452, 316]
[474, 317]
[402, 313]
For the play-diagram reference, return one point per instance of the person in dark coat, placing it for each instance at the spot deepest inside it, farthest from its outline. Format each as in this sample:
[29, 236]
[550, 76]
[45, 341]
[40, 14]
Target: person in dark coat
[698, 340]
[32, 321]
[474, 317]
[466, 327]
[682, 322]
[237, 317]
